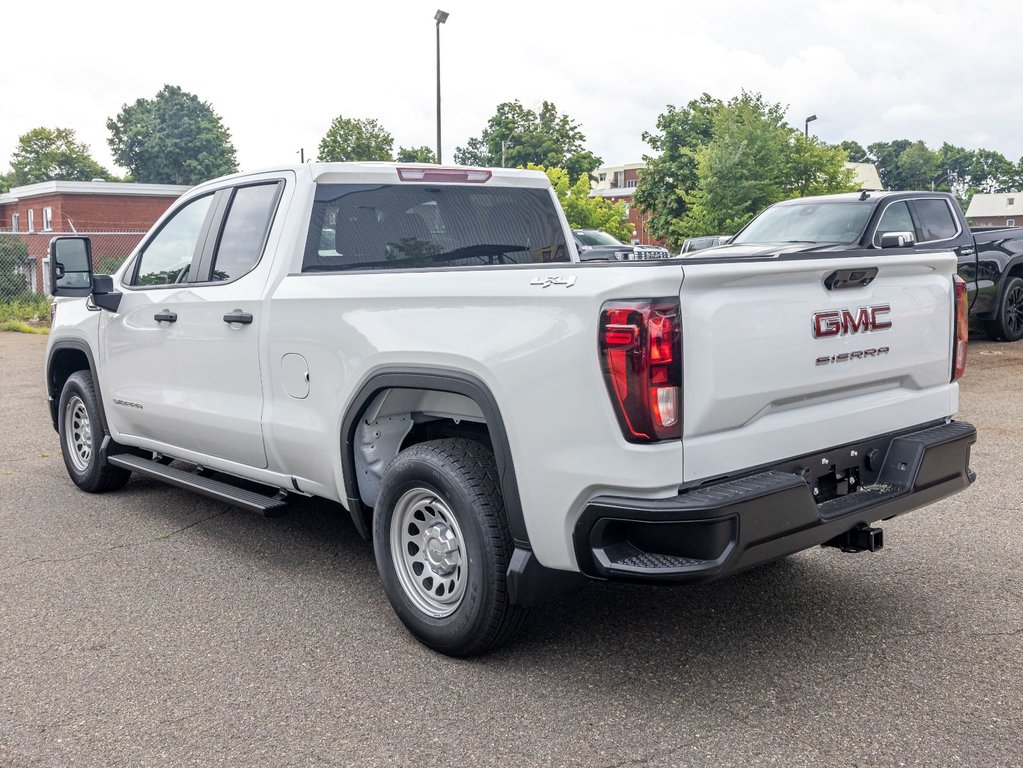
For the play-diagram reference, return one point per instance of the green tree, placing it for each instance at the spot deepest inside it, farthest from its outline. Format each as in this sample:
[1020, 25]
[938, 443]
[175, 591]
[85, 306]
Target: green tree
[886, 157]
[856, 152]
[583, 211]
[671, 174]
[416, 155]
[351, 140]
[918, 167]
[48, 154]
[755, 159]
[1015, 180]
[517, 137]
[5, 182]
[173, 138]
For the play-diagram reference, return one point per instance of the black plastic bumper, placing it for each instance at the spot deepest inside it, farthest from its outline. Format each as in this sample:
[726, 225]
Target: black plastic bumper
[718, 529]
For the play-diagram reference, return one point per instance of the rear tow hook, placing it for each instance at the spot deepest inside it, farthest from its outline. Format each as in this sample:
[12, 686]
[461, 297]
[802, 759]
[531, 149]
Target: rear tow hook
[862, 538]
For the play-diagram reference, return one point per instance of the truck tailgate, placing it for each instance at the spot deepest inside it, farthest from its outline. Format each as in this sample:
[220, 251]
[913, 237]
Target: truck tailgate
[777, 365]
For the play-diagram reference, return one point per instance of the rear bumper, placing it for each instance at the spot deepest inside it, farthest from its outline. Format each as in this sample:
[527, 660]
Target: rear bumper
[714, 530]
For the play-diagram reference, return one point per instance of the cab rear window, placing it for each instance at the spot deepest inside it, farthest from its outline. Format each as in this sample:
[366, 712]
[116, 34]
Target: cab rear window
[422, 226]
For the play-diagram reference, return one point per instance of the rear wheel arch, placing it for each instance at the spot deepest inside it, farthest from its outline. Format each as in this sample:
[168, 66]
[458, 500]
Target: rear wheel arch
[463, 388]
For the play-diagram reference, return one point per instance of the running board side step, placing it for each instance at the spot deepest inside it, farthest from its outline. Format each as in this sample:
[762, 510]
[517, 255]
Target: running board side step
[271, 506]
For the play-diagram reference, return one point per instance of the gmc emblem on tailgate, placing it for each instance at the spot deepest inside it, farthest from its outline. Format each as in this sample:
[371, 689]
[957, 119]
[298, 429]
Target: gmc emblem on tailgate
[841, 322]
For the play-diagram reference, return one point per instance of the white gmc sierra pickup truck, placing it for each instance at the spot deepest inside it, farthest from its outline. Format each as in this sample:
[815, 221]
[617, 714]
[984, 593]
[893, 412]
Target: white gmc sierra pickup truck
[423, 346]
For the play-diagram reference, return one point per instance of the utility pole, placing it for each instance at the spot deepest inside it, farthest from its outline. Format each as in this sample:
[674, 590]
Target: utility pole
[440, 17]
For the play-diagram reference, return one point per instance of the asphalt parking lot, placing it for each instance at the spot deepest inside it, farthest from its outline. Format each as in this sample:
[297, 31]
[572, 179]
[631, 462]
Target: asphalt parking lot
[151, 627]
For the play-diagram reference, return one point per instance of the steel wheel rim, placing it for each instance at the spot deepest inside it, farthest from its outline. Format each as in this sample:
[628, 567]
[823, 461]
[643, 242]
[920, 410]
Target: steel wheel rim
[1014, 310]
[428, 552]
[78, 427]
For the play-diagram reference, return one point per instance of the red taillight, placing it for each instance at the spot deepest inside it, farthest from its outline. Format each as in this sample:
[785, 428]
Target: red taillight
[640, 353]
[451, 175]
[962, 329]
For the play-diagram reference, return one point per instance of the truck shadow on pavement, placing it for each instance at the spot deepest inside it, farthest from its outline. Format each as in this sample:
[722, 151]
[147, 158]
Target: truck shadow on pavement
[819, 611]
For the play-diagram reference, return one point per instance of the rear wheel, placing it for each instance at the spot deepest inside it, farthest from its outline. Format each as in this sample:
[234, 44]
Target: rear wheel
[1008, 324]
[82, 428]
[443, 546]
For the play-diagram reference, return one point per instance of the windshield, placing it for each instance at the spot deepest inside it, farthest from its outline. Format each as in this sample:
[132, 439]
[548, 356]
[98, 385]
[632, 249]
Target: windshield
[832, 222]
[596, 237]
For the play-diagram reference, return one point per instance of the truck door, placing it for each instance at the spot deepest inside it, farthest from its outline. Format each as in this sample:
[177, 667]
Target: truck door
[187, 359]
[939, 227]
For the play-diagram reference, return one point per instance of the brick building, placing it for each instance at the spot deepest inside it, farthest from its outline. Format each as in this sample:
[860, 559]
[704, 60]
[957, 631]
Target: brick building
[617, 183]
[114, 214]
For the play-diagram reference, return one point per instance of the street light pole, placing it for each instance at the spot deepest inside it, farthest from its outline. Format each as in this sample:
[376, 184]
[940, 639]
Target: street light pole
[440, 17]
[806, 125]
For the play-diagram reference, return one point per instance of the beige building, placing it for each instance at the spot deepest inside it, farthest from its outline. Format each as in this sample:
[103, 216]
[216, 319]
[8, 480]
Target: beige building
[866, 176]
[998, 209]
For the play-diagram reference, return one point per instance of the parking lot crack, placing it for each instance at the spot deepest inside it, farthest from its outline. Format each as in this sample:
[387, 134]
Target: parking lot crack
[115, 547]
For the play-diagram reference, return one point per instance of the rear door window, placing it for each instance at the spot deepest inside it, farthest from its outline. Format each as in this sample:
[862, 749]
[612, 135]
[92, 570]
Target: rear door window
[244, 232]
[937, 222]
[422, 226]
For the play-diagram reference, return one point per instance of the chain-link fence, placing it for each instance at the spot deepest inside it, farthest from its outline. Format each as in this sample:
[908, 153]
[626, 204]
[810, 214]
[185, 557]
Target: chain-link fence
[24, 268]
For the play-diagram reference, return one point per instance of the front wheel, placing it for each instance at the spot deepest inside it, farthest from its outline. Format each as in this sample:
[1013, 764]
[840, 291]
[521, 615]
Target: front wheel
[81, 427]
[1008, 323]
[442, 547]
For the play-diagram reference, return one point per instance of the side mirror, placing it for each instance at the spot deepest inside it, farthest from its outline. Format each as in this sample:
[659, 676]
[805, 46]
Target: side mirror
[70, 266]
[897, 240]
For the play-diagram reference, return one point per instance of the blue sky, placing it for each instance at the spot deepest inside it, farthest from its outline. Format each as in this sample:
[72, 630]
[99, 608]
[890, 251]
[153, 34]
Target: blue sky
[278, 73]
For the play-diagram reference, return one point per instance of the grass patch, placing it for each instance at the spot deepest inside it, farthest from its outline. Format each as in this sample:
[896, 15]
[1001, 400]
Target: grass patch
[29, 306]
[20, 326]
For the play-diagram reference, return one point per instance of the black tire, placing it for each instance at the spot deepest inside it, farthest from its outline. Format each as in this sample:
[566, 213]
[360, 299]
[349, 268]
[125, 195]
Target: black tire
[451, 487]
[82, 427]
[1008, 323]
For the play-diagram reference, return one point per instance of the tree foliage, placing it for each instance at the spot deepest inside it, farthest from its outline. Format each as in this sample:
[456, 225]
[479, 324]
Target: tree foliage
[722, 163]
[352, 139]
[671, 174]
[855, 150]
[912, 165]
[583, 211]
[421, 154]
[53, 154]
[518, 137]
[173, 138]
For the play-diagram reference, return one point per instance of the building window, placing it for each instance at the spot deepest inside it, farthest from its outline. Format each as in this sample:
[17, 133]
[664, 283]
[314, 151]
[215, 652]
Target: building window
[47, 219]
[15, 222]
[631, 183]
[31, 220]
[1011, 201]
[601, 177]
[1010, 222]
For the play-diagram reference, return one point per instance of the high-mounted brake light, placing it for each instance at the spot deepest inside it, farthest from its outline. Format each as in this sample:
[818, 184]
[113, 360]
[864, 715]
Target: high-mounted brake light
[449, 175]
[962, 329]
[641, 356]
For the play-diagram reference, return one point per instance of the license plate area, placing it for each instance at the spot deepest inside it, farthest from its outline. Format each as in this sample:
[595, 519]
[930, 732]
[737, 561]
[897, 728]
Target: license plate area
[844, 470]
